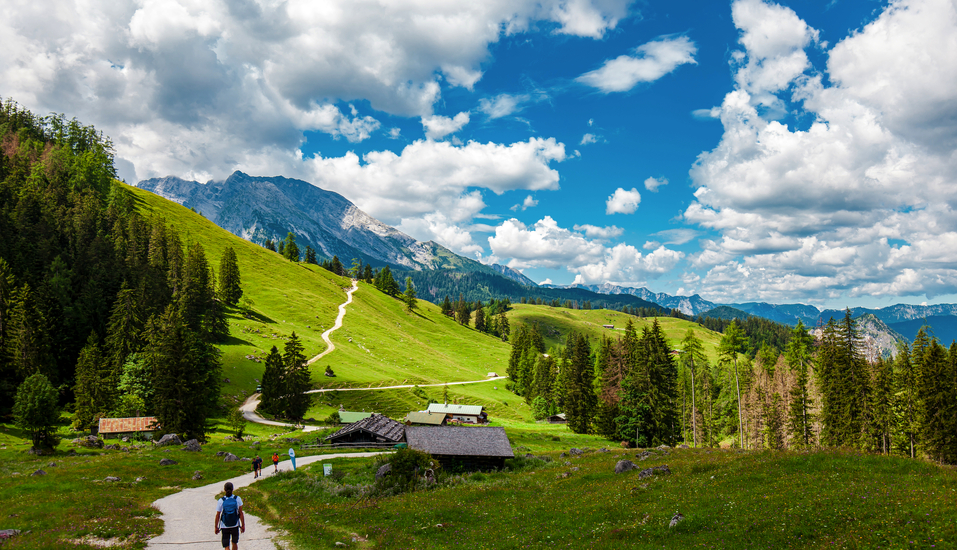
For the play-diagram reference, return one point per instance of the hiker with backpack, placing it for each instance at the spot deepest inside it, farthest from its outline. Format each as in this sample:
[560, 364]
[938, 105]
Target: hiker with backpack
[229, 517]
[275, 462]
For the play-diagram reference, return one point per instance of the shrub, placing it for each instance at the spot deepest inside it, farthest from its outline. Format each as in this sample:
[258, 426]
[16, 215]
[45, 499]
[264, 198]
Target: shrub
[408, 465]
[35, 410]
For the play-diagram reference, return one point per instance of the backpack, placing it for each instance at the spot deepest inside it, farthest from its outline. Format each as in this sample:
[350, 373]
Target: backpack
[230, 517]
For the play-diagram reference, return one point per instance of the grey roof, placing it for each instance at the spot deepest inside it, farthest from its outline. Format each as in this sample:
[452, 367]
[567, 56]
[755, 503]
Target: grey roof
[443, 408]
[376, 424]
[433, 419]
[459, 441]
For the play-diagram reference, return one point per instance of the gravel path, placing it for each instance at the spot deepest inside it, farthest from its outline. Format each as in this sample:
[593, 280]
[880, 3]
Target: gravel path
[337, 325]
[188, 515]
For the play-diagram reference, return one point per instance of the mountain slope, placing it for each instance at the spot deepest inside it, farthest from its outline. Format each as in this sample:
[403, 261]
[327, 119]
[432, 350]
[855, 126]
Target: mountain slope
[689, 305]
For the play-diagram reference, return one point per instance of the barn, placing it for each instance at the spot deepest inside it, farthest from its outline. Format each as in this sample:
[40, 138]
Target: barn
[462, 447]
[376, 428]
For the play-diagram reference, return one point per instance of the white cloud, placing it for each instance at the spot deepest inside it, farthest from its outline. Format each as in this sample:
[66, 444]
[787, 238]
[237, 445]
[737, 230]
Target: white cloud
[676, 236]
[652, 184]
[623, 202]
[431, 176]
[545, 244]
[600, 233]
[588, 138]
[438, 126]
[187, 88]
[529, 202]
[650, 62]
[502, 105]
[813, 213]
[651, 245]
[395, 132]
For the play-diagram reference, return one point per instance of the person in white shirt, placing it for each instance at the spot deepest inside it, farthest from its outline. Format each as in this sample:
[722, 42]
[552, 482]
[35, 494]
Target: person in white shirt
[230, 520]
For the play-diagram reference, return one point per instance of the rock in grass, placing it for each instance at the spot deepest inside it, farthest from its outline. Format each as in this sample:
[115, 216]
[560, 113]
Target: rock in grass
[383, 471]
[111, 479]
[230, 457]
[8, 533]
[139, 479]
[623, 466]
[169, 439]
[193, 446]
[89, 441]
[39, 473]
[676, 518]
[576, 452]
[663, 469]
[220, 453]
[197, 475]
[113, 447]
[167, 462]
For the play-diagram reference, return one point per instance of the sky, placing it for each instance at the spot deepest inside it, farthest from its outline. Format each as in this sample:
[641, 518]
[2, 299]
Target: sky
[794, 152]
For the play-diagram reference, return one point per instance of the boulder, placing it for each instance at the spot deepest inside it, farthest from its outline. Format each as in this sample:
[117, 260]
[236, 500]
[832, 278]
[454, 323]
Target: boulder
[292, 440]
[168, 462]
[39, 473]
[383, 471]
[576, 452]
[663, 469]
[676, 518]
[646, 473]
[603, 450]
[563, 475]
[8, 533]
[682, 446]
[662, 447]
[90, 441]
[230, 457]
[623, 466]
[139, 479]
[53, 464]
[220, 453]
[169, 439]
[575, 469]
[113, 447]
[193, 446]
[111, 479]
[197, 475]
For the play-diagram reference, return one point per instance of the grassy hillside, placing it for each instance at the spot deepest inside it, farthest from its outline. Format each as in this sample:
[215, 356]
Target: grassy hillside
[730, 499]
[556, 323]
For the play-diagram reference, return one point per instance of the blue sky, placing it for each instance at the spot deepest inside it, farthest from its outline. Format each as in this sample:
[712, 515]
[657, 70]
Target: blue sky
[785, 152]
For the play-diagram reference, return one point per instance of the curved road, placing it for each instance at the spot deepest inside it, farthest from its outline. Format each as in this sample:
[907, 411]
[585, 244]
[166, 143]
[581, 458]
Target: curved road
[188, 515]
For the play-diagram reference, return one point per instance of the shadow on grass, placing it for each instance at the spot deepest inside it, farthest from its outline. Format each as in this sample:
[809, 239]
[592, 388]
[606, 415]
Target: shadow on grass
[233, 341]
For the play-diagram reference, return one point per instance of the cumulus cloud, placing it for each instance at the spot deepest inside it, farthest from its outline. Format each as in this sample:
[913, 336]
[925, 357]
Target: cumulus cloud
[623, 202]
[529, 202]
[588, 138]
[600, 233]
[546, 244]
[652, 184]
[187, 87]
[650, 62]
[850, 205]
[431, 176]
[438, 126]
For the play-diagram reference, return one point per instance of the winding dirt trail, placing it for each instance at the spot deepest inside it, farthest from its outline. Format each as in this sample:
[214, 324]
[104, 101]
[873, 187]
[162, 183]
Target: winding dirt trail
[188, 515]
[342, 313]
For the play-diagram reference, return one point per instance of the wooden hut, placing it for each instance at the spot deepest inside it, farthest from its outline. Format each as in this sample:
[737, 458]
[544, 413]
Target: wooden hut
[119, 427]
[462, 447]
[373, 429]
[472, 414]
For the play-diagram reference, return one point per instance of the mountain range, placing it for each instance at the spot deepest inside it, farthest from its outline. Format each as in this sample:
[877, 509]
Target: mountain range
[259, 208]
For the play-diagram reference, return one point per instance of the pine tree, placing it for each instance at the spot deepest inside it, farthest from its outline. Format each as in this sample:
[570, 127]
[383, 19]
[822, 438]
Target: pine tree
[480, 320]
[503, 328]
[882, 404]
[186, 374]
[269, 245]
[580, 399]
[845, 384]
[95, 388]
[367, 273]
[297, 380]
[447, 307]
[336, 266]
[26, 340]
[731, 344]
[906, 401]
[356, 270]
[290, 250]
[230, 283]
[797, 356]
[937, 397]
[692, 357]
[271, 399]
[462, 313]
[310, 255]
[409, 297]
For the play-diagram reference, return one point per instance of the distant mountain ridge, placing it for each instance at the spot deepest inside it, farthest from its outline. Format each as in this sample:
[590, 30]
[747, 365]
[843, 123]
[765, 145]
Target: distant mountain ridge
[689, 305]
[259, 208]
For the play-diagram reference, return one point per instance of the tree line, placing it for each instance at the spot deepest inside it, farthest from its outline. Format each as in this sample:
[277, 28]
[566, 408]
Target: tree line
[109, 312]
[819, 391]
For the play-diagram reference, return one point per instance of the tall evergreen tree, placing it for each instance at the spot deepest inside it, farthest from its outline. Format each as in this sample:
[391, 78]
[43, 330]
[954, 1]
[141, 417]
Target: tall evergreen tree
[26, 342]
[797, 356]
[906, 401]
[693, 356]
[95, 388]
[409, 297]
[503, 326]
[480, 320]
[447, 307]
[297, 379]
[310, 255]
[580, 398]
[881, 404]
[290, 249]
[731, 344]
[230, 283]
[271, 399]
[938, 398]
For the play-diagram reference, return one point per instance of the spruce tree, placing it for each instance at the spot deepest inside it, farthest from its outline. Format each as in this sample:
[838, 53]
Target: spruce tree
[692, 357]
[230, 283]
[480, 320]
[336, 267]
[580, 398]
[367, 273]
[503, 327]
[271, 399]
[797, 356]
[882, 404]
[409, 297]
[269, 245]
[297, 380]
[310, 255]
[26, 341]
[447, 307]
[95, 389]
[906, 400]
[290, 250]
[731, 344]
[937, 396]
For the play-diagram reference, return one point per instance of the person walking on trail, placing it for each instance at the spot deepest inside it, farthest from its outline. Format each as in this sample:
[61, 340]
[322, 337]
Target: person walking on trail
[258, 466]
[230, 520]
[275, 462]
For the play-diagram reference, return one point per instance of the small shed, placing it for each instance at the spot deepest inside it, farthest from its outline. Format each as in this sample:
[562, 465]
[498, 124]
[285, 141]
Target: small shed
[372, 429]
[462, 447]
[348, 417]
[119, 427]
[612, 327]
[557, 419]
[426, 418]
[472, 414]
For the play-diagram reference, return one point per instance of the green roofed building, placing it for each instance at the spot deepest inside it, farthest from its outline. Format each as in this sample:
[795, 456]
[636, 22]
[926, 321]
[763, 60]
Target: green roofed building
[425, 418]
[348, 417]
[471, 414]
